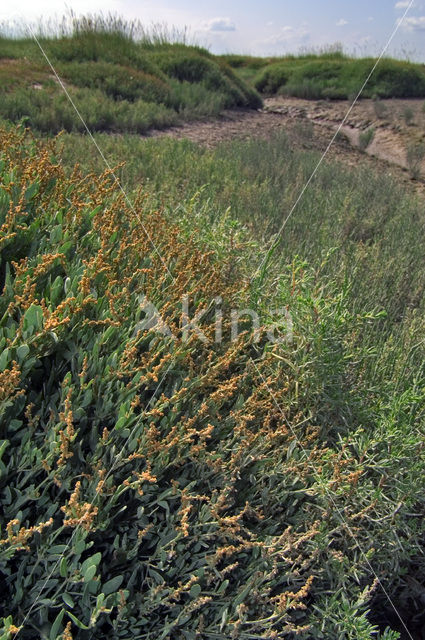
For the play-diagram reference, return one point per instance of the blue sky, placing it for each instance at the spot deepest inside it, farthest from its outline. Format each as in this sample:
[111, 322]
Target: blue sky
[265, 27]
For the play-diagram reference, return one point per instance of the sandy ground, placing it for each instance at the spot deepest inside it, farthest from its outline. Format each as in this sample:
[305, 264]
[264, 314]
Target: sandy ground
[398, 125]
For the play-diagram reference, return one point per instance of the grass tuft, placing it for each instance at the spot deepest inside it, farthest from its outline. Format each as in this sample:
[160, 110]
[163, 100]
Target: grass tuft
[366, 137]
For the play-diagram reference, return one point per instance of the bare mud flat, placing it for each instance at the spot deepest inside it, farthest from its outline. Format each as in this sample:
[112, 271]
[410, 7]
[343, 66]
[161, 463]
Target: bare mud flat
[398, 125]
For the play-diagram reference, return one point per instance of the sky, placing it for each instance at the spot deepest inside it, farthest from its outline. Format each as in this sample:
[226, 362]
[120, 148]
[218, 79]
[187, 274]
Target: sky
[262, 27]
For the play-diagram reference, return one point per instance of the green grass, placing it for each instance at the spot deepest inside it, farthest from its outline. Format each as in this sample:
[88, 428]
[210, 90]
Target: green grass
[352, 214]
[51, 111]
[117, 82]
[332, 75]
[359, 232]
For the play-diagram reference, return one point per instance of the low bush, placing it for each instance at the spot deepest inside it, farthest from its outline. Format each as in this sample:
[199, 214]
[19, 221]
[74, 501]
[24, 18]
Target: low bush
[238, 61]
[408, 115]
[214, 76]
[379, 108]
[366, 137]
[195, 100]
[399, 79]
[272, 79]
[415, 155]
[116, 81]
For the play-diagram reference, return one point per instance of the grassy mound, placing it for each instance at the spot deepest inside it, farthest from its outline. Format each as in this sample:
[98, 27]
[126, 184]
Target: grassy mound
[332, 75]
[117, 82]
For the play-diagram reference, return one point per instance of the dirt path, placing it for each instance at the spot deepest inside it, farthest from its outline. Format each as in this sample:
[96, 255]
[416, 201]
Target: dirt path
[237, 123]
[397, 126]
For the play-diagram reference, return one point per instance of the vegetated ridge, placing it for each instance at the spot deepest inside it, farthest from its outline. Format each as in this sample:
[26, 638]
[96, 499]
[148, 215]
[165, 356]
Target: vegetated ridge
[331, 75]
[118, 83]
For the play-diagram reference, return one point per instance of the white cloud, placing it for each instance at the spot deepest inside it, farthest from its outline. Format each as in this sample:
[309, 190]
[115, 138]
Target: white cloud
[370, 19]
[287, 35]
[402, 4]
[220, 24]
[341, 23]
[414, 24]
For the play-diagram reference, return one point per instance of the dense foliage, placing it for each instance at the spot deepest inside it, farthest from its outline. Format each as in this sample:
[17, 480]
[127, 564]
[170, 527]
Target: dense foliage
[164, 487]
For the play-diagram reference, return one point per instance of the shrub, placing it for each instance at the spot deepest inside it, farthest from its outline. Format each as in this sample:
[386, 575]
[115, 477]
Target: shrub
[303, 132]
[310, 79]
[238, 61]
[194, 99]
[186, 66]
[415, 154]
[216, 77]
[51, 112]
[366, 137]
[307, 89]
[343, 138]
[116, 81]
[272, 79]
[408, 115]
[398, 79]
[379, 108]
